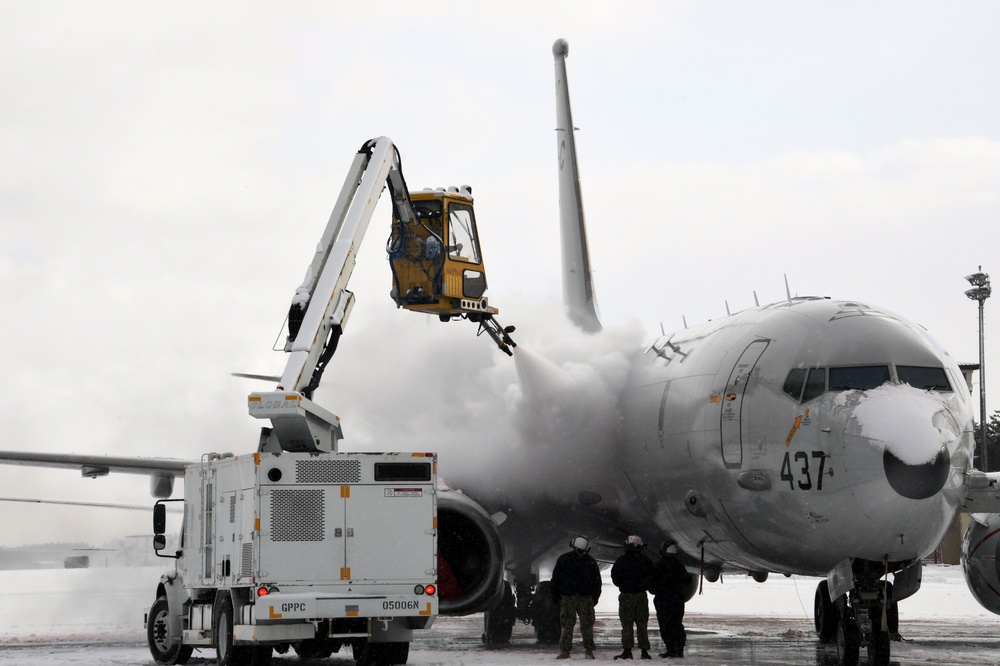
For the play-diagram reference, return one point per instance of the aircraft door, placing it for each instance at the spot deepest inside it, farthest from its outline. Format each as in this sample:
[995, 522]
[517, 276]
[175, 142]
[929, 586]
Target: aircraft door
[731, 427]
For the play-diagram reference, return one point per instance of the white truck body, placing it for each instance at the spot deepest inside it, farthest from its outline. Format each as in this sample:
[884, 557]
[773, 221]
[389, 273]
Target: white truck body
[343, 544]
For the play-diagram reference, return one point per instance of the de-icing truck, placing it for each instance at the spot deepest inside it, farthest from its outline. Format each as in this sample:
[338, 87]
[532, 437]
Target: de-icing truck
[299, 545]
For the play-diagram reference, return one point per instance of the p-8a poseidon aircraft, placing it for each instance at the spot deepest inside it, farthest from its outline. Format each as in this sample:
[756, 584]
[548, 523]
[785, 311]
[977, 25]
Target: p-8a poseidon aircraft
[813, 436]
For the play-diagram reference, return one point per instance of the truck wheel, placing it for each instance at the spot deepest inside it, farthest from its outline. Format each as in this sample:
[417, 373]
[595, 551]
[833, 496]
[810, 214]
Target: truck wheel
[380, 654]
[314, 648]
[164, 650]
[228, 654]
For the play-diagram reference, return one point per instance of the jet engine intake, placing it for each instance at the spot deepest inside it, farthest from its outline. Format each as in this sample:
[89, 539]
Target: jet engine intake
[470, 556]
[981, 559]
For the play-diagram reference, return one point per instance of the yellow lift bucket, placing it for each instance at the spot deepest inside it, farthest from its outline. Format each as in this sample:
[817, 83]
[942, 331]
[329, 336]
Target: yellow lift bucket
[437, 265]
[437, 262]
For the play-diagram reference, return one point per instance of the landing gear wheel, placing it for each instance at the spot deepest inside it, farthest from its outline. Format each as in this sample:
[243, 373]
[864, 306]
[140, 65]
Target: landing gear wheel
[891, 612]
[825, 614]
[545, 613]
[848, 642]
[878, 649]
[163, 649]
[499, 622]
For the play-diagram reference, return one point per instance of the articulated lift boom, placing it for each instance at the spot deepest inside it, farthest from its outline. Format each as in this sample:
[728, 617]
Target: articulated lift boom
[437, 269]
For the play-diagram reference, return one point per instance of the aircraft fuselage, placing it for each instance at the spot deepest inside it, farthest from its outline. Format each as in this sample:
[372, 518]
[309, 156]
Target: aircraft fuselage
[792, 437]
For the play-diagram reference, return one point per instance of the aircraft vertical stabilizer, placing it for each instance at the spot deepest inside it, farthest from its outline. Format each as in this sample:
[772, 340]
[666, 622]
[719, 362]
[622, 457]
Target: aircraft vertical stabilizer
[578, 283]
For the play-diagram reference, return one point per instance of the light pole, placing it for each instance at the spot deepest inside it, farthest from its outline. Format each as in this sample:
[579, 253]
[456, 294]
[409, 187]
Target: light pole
[980, 292]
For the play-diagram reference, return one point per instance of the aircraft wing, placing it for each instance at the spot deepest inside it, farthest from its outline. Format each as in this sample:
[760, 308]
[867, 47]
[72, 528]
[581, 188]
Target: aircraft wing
[107, 505]
[94, 466]
[161, 471]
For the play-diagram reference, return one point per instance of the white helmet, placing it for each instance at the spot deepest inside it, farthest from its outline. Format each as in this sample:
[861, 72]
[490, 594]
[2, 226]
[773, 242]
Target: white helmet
[633, 541]
[580, 543]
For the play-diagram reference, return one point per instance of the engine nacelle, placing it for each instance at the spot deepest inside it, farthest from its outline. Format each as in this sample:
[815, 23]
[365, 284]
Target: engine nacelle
[980, 553]
[469, 548]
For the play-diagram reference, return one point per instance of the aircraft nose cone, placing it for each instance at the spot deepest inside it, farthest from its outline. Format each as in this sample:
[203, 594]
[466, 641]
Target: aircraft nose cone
[917, 481]
[916, 432]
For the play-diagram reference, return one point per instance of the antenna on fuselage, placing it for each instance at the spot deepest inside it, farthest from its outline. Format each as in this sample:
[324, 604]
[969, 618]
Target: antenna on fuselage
[685, 319]
[788, 292]
[728, 313]
[756, 301]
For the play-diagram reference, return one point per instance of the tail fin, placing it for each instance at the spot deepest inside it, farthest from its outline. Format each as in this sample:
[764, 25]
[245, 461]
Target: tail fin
[578, 283]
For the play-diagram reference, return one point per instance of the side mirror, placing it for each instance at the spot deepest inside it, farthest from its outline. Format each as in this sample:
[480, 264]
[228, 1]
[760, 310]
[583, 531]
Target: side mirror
[159, 542]
[159, 520]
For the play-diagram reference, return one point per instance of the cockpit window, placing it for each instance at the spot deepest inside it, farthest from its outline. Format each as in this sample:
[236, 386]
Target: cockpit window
[861, 378]
[815, 385]
[794, 381]
[928, 379]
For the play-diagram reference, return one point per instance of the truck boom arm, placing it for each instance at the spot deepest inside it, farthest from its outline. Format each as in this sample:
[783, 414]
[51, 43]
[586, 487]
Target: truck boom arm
[322, 305]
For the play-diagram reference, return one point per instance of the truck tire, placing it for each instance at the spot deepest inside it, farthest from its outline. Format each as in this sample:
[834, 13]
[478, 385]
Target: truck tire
[380, 654]
[164, 650]
[229, 654]
[314, 648]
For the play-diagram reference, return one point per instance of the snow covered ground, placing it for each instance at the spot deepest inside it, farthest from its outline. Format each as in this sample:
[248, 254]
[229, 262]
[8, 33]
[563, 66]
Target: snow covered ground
[94, 616]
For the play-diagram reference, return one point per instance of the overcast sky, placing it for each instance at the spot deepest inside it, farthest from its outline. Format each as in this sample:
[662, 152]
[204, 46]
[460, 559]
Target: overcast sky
[168, 167]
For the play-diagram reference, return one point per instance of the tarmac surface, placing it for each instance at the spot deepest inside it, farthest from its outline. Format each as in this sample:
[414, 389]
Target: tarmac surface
[712, 640]
[77, 617]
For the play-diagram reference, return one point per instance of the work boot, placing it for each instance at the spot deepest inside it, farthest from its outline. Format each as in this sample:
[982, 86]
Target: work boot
[645, 655]
[563, 655]
[590, 654]
[626, 654]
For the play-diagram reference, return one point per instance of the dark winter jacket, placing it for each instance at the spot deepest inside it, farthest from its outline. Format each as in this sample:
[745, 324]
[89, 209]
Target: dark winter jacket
[576, 573]
[670, 580]
[632, 571]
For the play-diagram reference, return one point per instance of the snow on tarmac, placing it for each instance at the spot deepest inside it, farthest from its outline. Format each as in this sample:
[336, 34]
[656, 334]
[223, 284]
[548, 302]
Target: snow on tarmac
[61, 617]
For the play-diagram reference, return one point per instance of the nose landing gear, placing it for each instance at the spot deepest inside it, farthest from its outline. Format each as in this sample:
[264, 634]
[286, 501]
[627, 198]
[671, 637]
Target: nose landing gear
[866, 616]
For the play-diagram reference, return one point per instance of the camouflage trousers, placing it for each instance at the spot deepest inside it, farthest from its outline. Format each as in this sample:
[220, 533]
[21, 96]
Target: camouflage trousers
[633, 608]
[569, 608]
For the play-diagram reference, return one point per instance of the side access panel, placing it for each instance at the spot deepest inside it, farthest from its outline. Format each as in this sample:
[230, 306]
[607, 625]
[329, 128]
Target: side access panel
[391, 529]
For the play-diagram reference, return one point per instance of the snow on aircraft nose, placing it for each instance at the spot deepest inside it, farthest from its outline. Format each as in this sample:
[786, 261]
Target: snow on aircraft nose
[914, 430]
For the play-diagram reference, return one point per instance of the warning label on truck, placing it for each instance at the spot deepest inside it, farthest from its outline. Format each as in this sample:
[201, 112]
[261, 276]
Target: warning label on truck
[404, 492]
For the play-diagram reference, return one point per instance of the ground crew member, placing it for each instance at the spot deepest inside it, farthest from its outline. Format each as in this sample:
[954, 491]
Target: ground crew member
[669, 585]
[632, 573]
[576, 587]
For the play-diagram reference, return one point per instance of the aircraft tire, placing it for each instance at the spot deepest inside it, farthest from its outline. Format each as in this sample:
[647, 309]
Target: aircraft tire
[499, 622]
[848, 642]
[892, 612]
[162, 650]
[546, 614]
[879, 648]
[825, 614]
